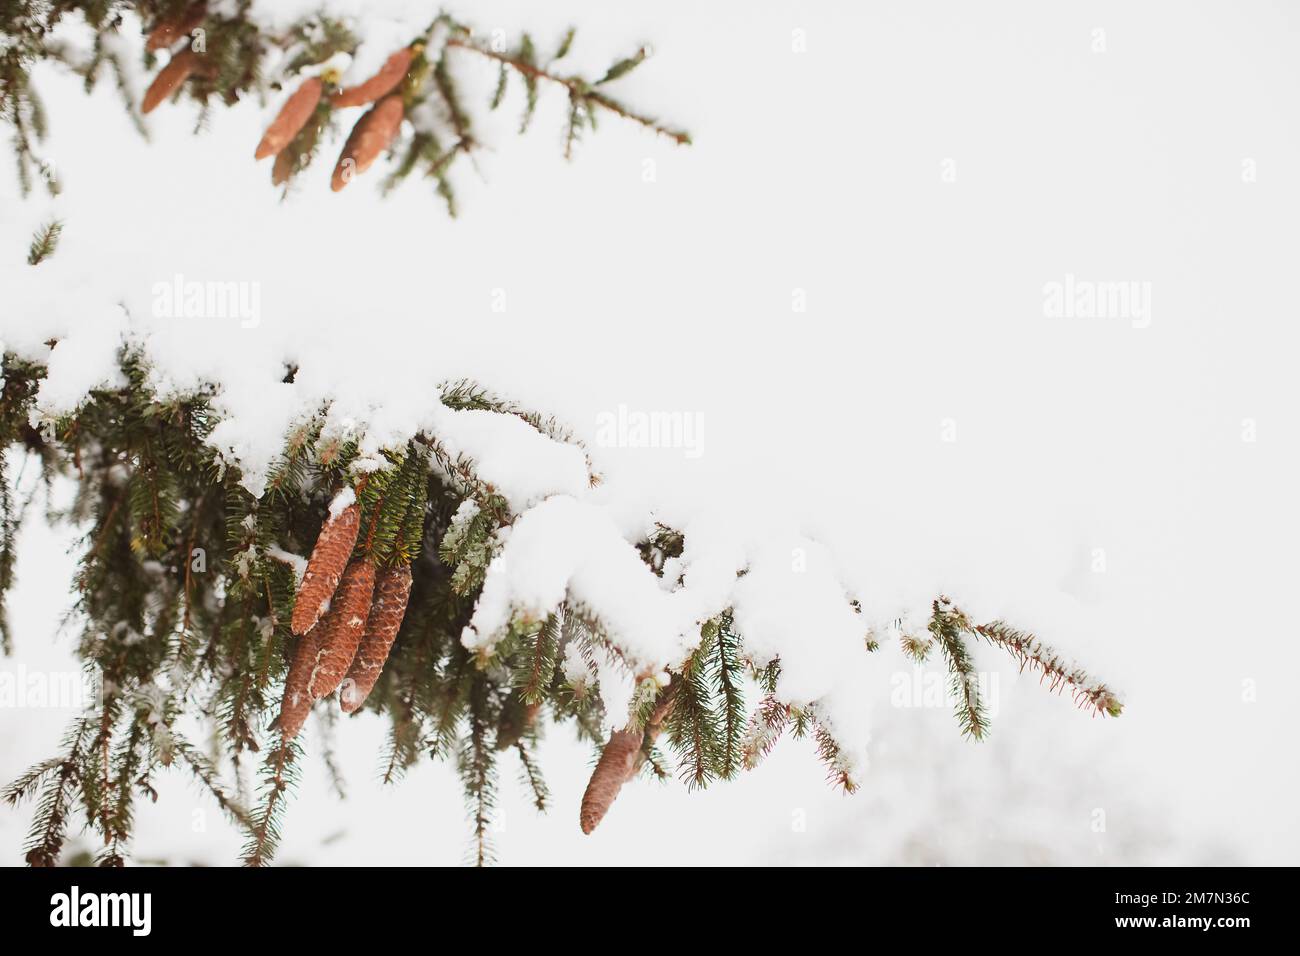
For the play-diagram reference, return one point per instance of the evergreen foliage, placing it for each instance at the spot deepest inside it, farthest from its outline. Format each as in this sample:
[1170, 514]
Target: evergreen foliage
[184, 595]
[947, 625]
[220, 55]
[186, 582]
[44, 242]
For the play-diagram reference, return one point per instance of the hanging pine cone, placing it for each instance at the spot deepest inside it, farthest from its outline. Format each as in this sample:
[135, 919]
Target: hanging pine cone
[283, 168]
[294, 158]
[328, 559]
[343, 627]
[179, 69]
[297, 700]
[293, 116]
[368, 139]
[170, 30]
[618, 762]
[392, 592]
[381, 84]
[621, 760]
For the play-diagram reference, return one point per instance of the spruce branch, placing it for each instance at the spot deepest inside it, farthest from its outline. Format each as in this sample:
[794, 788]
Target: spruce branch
[44, 242]
[219, 55]
[579, 90]
[534, 679]
[766, 725]
[279, 777]
[694, 726]
[150, 490]
[477, 765]
[532, 776]
[838, 771]
[726, 675]
[1059, 673]
[947, 626]
[58, 789]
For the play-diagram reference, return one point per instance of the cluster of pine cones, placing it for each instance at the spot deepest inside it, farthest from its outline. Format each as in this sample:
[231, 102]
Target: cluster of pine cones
[347, 614]
[373, 133]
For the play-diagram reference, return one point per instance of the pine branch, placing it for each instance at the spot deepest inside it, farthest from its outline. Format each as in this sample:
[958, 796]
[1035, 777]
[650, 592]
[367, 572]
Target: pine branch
[579, 90]
[766, 726]
[279, 776]
[119, 814]
[532, 776]
[828, 751]
[477, 766]
[242, 56]
[727, 670]
[44, 242]
[694, 726]
[1059, 673]
[23, 786]
[150, 492]
[54, 806]
[946, 627]
[534, 680]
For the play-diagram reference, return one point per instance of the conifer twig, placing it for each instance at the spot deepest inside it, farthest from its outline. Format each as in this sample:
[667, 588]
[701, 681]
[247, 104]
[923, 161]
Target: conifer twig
[264, 833]
[44, 242]
[1033, 654]
[946, 625]
[578, 88]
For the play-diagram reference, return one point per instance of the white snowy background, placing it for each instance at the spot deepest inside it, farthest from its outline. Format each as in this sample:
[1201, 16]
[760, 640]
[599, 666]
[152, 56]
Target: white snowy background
[917, 173]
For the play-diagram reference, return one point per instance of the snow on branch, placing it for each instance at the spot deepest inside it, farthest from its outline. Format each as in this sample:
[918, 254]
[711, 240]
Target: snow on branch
[468, 577]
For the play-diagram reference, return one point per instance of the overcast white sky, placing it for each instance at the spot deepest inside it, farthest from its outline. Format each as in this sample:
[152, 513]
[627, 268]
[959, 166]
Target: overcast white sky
[921, 172]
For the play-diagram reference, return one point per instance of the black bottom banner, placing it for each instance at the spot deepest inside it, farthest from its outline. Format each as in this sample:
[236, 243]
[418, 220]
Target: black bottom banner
[321, 905]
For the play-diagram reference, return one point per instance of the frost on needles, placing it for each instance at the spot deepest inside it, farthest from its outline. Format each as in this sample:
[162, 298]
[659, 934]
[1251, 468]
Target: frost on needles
[527, 605]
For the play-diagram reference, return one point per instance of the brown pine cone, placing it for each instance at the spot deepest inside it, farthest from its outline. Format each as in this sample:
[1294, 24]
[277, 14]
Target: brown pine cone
[344, 626]
[290, 160]
[293, 116]
[282, 169]
[328, 559]
[170, 77]
[370, 137]
[297, 701]
[170, 30]
[617, 763]
[392, 592]
[381, 84]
